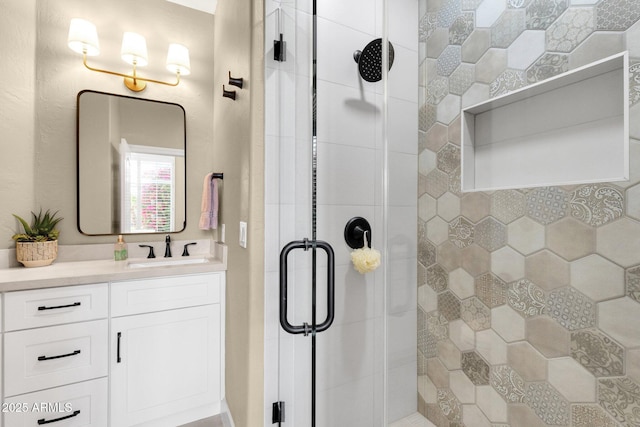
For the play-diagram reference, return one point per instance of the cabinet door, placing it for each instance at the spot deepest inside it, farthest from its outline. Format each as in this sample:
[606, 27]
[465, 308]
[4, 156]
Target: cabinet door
[163, 364]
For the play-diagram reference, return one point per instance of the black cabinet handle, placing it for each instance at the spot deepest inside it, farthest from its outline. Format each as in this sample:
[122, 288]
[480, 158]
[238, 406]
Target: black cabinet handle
[44, 421]
[58, 357]
[43, 307]
[118, 358]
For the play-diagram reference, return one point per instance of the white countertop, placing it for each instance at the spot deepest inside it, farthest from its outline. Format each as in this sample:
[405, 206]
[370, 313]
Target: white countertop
[67, 273]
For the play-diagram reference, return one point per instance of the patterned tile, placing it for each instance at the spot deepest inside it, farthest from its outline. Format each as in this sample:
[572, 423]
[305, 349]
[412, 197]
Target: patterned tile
[632, 283]
[461, 79]
[455, 181]
[475, 368]
[517, 4]
[571, 309]
[526, 298]
[598, 353]
[449, 158]
[449, 306]
[437, 183]
[570, 29]
[620, 397]
[490, 234]
[596, 204]
[449, 405]
[475, 314]
[634, 83]
[589, 416]
[422, 332]
[547, 204]
[508, 205]
[507, 82]
[470, 4]
[541, 13]
[437, 330]
[508, 27]
[448, 13]
[617, 15]
[437, 278]
[461, 28]
[548, 65]
[461, 232]
[547, 403]
[426, 26]
[437, 90]
[426, 250]
[449, 60]
[427, 117]
[507, 383]
[491, 290]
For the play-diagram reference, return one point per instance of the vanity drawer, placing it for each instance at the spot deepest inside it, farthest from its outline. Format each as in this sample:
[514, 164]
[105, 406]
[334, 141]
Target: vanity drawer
[36, 359]
[55, 306]
[165, 293]
[85, 405]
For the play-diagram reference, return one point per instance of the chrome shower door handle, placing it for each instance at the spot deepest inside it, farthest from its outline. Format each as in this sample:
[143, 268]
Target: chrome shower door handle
[306, 245]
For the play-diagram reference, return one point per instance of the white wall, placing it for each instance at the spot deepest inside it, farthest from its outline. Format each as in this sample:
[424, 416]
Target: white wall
[352, 153]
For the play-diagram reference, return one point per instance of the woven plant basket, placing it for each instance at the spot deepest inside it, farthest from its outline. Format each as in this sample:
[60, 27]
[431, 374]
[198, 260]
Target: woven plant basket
[36, 254]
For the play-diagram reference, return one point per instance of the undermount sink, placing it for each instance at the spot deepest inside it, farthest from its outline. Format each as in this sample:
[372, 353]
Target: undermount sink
[164, 262]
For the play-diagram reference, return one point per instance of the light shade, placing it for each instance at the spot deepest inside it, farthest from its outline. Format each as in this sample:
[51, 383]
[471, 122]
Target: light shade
[178, 59]
[83, 37]
[134, 49]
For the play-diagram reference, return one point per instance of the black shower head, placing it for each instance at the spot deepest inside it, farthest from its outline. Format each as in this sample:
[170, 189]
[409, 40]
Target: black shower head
[370, 60]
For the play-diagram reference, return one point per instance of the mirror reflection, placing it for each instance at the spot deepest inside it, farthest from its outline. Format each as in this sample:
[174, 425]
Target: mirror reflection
[131, 165]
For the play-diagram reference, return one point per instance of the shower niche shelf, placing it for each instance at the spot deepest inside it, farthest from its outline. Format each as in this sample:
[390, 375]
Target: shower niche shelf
[570, 129]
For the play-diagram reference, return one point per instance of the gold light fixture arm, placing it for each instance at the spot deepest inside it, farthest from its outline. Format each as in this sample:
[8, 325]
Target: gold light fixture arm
[133, 82]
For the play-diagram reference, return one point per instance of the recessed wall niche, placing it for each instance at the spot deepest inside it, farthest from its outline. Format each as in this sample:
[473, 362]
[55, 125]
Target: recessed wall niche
[569, 129]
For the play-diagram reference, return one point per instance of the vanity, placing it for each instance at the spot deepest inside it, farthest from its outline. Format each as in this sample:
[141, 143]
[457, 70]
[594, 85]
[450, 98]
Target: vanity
[104, 343]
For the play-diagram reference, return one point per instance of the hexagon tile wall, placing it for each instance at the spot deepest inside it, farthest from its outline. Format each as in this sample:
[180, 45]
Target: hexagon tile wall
[529, 300]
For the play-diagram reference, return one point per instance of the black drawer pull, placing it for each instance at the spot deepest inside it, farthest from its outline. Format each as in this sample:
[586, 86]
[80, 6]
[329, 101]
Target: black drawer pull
[118, 359]
[43, 421]
[44, 307]
[58, 357]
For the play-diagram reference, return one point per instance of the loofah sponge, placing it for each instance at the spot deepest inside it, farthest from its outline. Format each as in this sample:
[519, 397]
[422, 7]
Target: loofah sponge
[365, 259]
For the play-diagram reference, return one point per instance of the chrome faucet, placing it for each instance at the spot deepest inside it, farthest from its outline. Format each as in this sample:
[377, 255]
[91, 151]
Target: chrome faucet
[167, 249]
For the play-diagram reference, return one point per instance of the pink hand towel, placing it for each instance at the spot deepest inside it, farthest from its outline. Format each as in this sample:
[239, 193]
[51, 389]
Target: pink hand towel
[209, 206]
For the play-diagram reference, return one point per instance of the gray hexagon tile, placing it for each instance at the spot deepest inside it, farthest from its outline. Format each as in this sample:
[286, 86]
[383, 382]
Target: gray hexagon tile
[437, 90]
[461, 232]
[526, 298]
[547, 204]
[508, 27]
[596, 204]
[571, 29]
[507, 205]
[449, 60]
[632, 283]
[541, 13]
[427, 117]
[475, 368]
[571, 309]
[548, 65]
[491, 290]
[437, 278]
[590, 416]
[507, 82]
[634, 83]
[507, 383]
[598, 353]
[490, 234]
[461, 28]
[617, 15]
[449, 306]
[475, 314]
[547, 403]
[437, 183]
[450, 406]
[620, 397]
[449, 158]
[461, 79]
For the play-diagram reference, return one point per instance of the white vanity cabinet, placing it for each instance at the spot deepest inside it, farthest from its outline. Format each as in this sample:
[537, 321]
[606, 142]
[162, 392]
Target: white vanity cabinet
[166, 350]
[55, 362]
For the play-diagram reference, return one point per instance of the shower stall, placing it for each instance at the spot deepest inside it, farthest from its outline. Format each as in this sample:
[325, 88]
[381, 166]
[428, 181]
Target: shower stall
[341, 143]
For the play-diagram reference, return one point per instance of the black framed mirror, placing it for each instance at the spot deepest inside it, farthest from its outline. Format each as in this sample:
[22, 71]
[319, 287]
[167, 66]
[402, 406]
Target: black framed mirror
[131, 165]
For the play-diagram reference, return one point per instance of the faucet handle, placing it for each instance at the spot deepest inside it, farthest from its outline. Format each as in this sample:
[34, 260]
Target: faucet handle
[185, 252]
[151, 254]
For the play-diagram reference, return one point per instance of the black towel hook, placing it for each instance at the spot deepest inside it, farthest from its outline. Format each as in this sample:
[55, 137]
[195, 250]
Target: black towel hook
[236, 81]
[228, 93]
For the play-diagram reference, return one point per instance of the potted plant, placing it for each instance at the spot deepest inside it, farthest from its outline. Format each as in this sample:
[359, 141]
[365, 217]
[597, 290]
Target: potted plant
[38, 245]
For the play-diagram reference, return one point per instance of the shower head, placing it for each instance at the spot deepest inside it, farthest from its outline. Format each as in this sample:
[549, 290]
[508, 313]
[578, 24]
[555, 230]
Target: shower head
[370, 60]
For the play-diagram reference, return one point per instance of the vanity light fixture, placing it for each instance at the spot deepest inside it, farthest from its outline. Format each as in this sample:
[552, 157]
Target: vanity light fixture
[83, 39]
